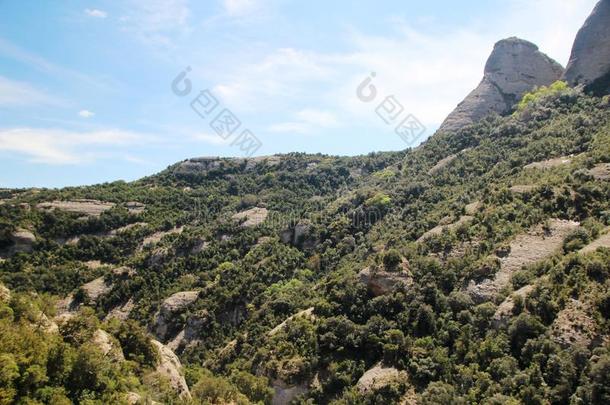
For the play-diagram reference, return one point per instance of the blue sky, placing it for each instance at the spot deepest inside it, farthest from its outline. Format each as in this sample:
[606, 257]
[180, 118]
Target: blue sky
[86, 95]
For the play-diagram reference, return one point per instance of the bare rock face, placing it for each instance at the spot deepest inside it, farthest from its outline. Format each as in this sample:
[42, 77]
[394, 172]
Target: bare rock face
[526, 249]
[169, 366]
[252, 217]
[121, 312]
[515, 67]
[23, 241]
[87, 207]
[380, 281]
[379, 377]
[505, 309]
[107, 345]
[204, 165]
[589, 63]
[172, 306]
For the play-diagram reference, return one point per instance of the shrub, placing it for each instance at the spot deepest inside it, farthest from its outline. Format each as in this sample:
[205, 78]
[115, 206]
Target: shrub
[540, 93]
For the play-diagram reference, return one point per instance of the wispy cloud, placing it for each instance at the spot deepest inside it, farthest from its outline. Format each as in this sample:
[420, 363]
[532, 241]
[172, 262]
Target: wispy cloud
[238, 8]
[281, 76]
[14, 52]
[429, 70]
[15, 93]
[61, 147]
[157, 22]
[86, 113]
[94, 12]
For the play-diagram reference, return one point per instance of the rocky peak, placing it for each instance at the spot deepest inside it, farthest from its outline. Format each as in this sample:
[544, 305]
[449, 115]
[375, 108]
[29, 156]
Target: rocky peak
[514, 67]
[589, 63]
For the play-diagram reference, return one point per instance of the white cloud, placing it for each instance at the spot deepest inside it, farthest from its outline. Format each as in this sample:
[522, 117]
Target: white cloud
[428, 70]
[156, 22]
[15, 93]
[86, 113]
[94, 12]
[286, 74]
[52, 146]
[236, 8]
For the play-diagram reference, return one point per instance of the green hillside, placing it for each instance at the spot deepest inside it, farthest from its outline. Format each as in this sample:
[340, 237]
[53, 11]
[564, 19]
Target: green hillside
[472, 269]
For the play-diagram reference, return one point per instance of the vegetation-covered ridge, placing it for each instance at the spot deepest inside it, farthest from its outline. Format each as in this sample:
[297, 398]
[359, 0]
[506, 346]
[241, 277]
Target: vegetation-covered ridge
[472, 269]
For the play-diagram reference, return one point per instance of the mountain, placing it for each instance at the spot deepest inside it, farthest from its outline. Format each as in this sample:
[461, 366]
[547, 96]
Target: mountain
[514, 67]
[472, 269]
[589, 63]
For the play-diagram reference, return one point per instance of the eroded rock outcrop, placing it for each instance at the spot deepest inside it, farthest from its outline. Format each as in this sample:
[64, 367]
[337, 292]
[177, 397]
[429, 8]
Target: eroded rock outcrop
[252, 217]
[439, 229]
[379, 377]
[589, 63]
[505, 310]
[170, 367]
[107, 345]
[515, 67]
[538, 243]
[204, 165]
[170, 308]
[380, 281]
[306, 313]
[87, 207]
[23, 241]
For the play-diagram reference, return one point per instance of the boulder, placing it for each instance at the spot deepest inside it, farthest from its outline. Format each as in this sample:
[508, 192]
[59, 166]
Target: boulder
[589, 63]
[514, 67]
